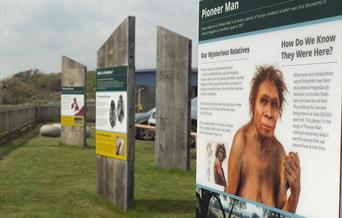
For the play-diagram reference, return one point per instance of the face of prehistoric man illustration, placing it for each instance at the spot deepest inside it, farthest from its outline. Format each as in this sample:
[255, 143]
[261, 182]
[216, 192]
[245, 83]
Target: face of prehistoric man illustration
[220, 154]
[266, 109]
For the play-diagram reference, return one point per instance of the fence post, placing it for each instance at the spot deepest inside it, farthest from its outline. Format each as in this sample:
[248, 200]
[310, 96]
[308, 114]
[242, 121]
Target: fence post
[37, 115]
[8, 122]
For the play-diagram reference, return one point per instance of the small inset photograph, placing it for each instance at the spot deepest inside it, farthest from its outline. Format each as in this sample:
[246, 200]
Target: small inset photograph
[112, 114]
[78, 120]
[74, 105]
[120, 145]
[121, 109]
[214, 205]
[220, 156]
[216, 163]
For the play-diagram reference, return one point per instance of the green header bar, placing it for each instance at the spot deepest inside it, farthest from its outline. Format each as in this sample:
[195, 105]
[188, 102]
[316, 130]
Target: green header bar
[72, 90]
[220, 18]
[111, 79]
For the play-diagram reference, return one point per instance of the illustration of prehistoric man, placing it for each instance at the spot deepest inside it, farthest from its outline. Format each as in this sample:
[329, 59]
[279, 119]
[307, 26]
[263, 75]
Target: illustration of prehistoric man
[220, 155]
[258, 167]
[74, 104]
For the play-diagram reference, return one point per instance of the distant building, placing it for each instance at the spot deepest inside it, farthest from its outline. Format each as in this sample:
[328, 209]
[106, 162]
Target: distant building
[146, 85]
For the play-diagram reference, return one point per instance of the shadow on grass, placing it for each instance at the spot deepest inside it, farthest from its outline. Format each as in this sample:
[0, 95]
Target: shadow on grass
[167, 206]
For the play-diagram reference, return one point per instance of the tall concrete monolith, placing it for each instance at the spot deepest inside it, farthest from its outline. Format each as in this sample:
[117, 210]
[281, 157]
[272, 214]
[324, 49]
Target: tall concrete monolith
[173, 85]
[115, 111]
[73, 103]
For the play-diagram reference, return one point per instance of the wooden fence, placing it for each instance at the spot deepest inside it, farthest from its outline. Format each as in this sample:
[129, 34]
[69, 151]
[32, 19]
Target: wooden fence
[15, 119]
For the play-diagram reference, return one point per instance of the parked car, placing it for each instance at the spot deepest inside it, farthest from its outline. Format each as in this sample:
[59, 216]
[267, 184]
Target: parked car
[152, 119]
[149, 118]
[142, 118]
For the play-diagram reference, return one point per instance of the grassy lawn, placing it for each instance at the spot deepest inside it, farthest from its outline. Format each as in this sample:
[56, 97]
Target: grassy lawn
[40, 178]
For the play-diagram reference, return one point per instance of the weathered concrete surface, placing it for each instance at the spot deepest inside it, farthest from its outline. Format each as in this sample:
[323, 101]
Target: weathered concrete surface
[74, 75]
[173, 85]
[115, 178]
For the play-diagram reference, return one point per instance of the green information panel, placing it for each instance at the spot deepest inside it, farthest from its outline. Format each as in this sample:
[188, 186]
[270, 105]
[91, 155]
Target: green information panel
[72, 90]
[219, 18]
[111, 79]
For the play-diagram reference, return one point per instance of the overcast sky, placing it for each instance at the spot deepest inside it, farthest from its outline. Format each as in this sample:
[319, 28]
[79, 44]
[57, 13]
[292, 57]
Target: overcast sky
[36, 33]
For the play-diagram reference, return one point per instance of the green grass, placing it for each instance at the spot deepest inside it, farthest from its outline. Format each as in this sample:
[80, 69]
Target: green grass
[40, 178]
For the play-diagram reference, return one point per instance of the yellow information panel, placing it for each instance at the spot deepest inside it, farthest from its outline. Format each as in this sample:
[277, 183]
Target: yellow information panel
[111, 144]
[72, 120]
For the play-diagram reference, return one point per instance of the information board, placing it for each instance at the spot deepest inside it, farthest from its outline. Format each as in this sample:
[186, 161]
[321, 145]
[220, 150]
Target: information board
[111, 112]
[72, 109]
[269, 108]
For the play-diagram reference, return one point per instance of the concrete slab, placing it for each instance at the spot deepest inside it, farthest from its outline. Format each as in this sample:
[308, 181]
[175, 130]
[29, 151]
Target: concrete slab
[173, 91]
